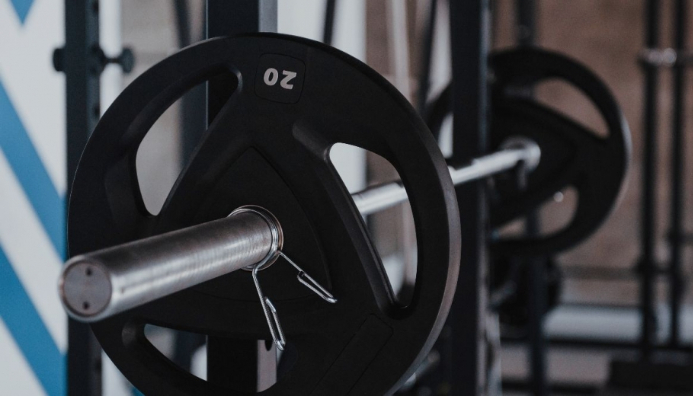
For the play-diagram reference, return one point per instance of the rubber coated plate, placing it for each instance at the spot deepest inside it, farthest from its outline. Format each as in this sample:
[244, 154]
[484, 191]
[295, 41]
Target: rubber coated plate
[571, 154]
[269, 146]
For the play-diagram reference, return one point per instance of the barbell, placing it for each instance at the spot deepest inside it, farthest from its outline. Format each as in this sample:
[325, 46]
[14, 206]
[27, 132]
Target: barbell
[97, 285]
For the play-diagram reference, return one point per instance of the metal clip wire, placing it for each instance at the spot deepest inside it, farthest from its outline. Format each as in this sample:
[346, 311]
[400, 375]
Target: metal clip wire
[270, 313]
[269, 309]
[309, 282]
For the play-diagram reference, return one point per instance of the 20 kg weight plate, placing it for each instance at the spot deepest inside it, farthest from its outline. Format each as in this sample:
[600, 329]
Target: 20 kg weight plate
[572, 155]
[269, 146]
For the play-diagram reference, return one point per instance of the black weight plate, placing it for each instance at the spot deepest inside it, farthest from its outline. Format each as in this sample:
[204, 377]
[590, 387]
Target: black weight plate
[572, 155]
[269, 146]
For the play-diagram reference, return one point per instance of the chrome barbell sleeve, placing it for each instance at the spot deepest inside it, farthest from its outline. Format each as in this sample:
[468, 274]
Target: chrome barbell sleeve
[100, 284]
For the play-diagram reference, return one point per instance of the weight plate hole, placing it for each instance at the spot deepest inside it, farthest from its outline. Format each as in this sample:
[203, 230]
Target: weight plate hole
[554, 215]
[445, 138]
[186, 349]
[572, 103]
[189, 352]
[168, 146]
[392, 230]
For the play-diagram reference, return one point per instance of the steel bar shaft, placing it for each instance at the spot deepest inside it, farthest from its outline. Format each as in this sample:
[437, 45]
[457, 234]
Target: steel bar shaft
[383, 196]
[103, 283]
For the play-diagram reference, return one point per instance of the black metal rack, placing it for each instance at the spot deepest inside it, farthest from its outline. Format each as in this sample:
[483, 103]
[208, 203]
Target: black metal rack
[469, 30]
[536, 271]
[77, 60]
[648, 224]
[676, 274]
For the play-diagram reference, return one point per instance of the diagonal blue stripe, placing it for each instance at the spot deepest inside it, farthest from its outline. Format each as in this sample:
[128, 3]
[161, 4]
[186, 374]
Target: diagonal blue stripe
[29, 331]
[27, 166]
[22, 7]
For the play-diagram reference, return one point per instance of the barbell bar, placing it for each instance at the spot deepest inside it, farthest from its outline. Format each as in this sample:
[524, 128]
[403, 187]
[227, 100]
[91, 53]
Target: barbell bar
[100, 284]
[515, 151]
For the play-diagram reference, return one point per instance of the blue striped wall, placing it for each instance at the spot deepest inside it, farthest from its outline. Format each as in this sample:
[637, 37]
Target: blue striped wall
[27, 326]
